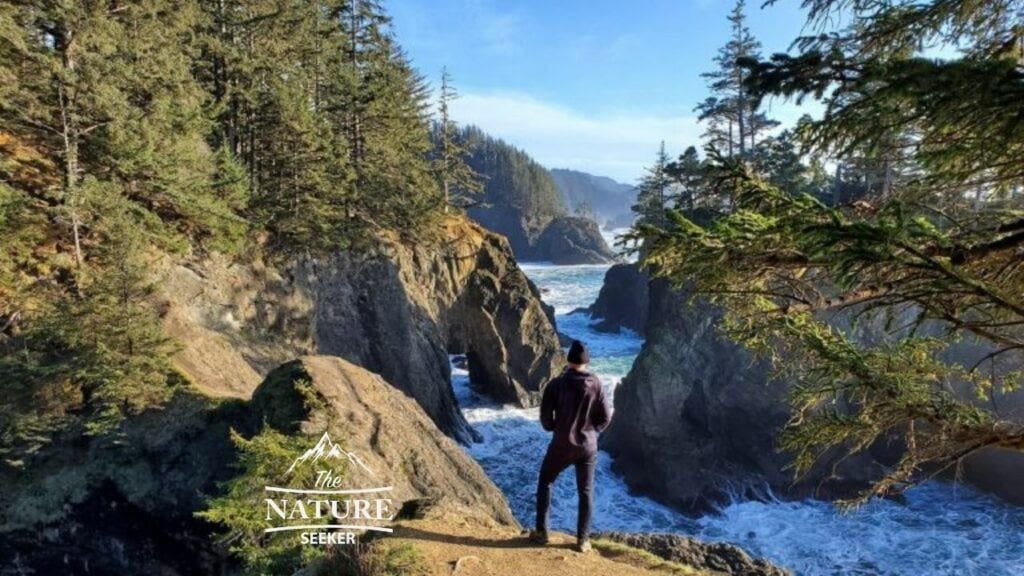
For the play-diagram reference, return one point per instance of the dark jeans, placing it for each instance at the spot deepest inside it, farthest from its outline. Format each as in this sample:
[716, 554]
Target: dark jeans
[557, 459]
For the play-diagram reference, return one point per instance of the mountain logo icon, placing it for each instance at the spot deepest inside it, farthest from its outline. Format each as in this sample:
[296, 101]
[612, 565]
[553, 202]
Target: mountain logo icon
[326, 449]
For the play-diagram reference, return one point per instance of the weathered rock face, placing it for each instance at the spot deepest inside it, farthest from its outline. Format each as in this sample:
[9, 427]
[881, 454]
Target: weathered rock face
[127, 505]
[697, 415]
[715, 557]
[623, 300]
[560, 240]
[397, 310]
[995, 470]
[389, 432]
[572, 240]
[124, 504]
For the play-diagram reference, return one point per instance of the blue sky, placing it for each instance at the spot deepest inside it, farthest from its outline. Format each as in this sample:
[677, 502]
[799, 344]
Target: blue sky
[592, 85]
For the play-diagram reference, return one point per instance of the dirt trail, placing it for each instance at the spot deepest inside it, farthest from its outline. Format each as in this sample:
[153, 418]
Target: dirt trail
[453, 545]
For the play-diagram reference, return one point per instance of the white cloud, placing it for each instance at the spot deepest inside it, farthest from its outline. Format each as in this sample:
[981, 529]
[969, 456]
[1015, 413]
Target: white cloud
[618, 145]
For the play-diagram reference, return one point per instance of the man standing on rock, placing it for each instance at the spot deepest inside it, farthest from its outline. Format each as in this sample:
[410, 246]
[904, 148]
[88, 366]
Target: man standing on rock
[573, 406]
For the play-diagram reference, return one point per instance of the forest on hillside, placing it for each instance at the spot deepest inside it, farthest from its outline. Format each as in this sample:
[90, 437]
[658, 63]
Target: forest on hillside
[129, 131]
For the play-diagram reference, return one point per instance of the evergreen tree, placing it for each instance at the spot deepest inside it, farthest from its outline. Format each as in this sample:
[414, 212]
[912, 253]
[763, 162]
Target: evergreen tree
[84, 360]
[513, 184]
[923, 256]
[322, 108]
[458, 181]
[105, 128]
[731, 116]
[106, 93]
[653, 192]
[585, 210]
[387, 123]
[688, 173]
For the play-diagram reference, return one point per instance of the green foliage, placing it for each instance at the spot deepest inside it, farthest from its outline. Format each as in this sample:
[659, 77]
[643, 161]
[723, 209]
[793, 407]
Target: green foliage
[329, 119]
[652, 194]
[263, 461]
[179, 126]
[783, 266]
[458, 181]
[955, 120]
[731, 114]
[93, 356]
[513, 181]
[920, 246]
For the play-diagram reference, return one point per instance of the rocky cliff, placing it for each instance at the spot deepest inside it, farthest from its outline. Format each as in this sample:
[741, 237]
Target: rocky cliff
[397, 309]
[697, 417]
[623, 300]
[572, 240]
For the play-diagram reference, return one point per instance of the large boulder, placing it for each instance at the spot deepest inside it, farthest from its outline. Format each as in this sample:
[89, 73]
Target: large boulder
[390, 433]
[623, 300]
[572, 240]
[698, 417]
[395, 308]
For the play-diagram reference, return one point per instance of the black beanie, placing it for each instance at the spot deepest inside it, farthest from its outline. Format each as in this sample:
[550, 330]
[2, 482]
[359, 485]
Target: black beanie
[578, 353]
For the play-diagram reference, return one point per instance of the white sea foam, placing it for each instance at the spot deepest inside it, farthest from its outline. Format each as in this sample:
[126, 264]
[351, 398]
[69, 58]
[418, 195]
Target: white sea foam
[942, 529]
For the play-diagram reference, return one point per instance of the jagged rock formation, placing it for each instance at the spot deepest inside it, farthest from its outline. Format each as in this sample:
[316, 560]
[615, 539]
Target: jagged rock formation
[715, 557]
[572, 240]
[697, 415]
[623, 300]
[397, 309]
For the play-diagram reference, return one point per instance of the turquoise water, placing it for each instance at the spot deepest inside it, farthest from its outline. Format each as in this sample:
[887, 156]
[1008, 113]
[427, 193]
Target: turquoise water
[942, 529]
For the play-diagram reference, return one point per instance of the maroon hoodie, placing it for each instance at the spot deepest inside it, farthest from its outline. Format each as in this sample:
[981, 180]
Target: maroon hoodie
[574, 408]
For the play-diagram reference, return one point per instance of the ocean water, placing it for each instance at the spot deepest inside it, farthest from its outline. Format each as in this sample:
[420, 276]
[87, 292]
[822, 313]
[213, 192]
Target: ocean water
[942, 529]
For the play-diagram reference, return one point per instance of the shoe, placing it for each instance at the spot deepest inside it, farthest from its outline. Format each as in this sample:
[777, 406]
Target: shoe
[539, 537]
[583, 546]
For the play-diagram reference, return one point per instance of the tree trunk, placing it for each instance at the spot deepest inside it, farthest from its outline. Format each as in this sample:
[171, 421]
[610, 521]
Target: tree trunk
[70, 133]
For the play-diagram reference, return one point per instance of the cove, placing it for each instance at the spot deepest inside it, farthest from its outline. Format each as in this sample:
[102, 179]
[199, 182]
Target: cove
[941, 529]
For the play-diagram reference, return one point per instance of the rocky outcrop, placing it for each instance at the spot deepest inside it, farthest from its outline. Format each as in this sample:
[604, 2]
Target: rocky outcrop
[390, 433]
[572, 240]
[717, 558]
[520, 201]
[697, 417]
[559, 239]
[123, 503]
[397, 309]
[127, 504]
[623, 300]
